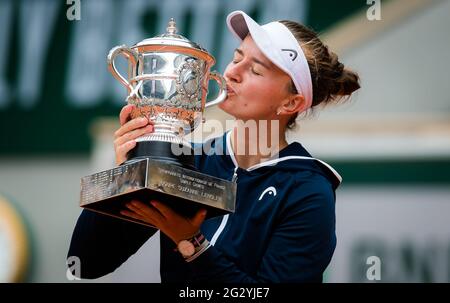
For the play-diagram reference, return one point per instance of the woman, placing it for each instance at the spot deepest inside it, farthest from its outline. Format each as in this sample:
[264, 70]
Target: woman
[283, 228]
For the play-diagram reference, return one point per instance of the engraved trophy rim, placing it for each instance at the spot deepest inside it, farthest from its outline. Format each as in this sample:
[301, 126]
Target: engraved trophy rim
[172, 39]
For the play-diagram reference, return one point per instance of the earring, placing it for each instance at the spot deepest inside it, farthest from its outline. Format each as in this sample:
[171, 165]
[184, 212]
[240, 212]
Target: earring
[278, 112]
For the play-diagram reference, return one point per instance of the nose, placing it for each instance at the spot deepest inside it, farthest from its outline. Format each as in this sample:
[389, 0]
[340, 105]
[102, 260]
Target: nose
[233, 72]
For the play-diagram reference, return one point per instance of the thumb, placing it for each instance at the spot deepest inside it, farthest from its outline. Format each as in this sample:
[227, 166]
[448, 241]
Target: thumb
[125, 113]
[199, 217]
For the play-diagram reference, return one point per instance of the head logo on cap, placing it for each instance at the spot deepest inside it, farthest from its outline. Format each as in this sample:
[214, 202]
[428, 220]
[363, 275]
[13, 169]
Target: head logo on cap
[292, 53]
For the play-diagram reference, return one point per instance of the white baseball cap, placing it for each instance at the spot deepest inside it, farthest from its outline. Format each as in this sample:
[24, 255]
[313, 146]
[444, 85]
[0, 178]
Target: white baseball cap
[279, 45]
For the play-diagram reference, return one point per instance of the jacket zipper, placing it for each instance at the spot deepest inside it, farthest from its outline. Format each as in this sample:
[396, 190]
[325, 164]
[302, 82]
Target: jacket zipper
[235, 176]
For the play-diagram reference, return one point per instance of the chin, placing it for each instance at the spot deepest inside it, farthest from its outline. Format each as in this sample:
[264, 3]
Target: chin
[225, 106]
[229, 107]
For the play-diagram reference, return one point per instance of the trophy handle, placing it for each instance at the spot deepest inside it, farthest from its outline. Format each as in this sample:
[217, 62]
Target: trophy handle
[222, 89]
[127, 53]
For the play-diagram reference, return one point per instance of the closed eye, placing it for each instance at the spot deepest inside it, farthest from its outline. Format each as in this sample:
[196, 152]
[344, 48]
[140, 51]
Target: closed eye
[255, 72]
[237, 57]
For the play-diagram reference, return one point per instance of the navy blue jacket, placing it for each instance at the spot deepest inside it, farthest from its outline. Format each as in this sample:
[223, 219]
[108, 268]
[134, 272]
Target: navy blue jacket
[283, 228]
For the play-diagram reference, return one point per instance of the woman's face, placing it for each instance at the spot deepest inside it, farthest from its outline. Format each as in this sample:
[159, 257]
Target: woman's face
[256, 86]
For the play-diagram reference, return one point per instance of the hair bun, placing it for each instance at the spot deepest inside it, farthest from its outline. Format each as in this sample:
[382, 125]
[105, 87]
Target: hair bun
[346, 83]
[331, 81]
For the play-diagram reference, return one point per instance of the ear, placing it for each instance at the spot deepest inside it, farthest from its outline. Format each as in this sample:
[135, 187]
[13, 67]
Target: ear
[293, 104]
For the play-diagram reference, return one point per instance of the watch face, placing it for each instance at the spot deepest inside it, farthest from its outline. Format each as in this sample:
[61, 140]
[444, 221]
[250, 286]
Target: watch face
[186, 248]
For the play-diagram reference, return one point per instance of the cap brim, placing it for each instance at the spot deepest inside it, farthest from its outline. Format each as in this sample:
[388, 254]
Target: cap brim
[240, 24]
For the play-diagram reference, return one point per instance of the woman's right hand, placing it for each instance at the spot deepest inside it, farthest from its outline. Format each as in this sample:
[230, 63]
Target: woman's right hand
[130, 129]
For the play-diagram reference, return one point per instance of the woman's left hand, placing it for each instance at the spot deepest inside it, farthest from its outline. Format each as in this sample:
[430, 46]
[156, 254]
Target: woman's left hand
[175, 226]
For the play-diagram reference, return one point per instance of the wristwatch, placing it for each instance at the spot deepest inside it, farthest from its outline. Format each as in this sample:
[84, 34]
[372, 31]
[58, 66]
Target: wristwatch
[190, 247]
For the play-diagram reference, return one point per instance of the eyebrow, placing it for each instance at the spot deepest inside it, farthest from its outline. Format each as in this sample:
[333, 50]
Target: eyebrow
[240, 52]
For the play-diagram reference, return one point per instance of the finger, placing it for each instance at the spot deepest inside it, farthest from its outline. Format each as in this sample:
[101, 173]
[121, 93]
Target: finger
[165, 210]
[125, 113]
[134, 134]
[199, 217]
[136, 213]
[136, 216]
[131, 125]
[144, 210]
[122, 151]
[130, 214]
[134, 209]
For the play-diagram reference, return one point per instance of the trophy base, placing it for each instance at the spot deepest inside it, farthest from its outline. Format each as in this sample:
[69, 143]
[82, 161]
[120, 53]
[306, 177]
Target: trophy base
[184, 190]
[177, 154]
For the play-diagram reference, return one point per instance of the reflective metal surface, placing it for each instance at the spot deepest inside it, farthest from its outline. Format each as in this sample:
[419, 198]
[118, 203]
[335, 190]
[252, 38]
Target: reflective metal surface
[167, 80]
[182, 189]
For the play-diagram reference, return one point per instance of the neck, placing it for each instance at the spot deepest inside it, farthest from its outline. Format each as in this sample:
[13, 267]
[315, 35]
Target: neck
[255, 142]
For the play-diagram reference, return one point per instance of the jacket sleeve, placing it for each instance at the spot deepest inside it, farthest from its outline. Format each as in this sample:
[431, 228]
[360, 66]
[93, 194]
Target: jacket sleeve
[300, 248]
[103, 243]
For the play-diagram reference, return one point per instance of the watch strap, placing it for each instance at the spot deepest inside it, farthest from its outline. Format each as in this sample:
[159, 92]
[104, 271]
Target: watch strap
[199, 250]
[200, 244]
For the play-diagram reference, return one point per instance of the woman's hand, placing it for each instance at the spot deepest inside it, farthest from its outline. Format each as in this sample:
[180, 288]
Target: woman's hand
[130, 129]
[175, 226]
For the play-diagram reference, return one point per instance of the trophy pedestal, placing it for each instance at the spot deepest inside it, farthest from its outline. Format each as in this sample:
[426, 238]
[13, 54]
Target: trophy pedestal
[164, 151]
[184, 190]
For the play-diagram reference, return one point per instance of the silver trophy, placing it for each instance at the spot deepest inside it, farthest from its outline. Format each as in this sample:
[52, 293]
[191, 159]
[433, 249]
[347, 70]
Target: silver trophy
[167, 81]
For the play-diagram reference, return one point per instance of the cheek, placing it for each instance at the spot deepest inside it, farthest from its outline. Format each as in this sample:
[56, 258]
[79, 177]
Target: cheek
[261, 92]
